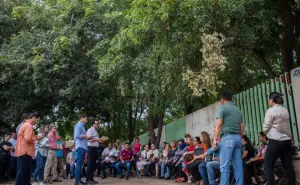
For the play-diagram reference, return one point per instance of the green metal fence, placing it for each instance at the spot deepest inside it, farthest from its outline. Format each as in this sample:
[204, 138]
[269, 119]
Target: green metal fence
[175, 129]
[253, 103]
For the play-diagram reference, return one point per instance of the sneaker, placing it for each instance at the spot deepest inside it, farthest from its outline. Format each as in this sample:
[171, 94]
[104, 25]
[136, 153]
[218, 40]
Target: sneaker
[35, 183]
[41, 183]
[56, 180]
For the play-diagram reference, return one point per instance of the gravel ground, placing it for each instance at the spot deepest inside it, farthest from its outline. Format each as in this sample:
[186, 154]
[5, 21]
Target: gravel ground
[117, 181]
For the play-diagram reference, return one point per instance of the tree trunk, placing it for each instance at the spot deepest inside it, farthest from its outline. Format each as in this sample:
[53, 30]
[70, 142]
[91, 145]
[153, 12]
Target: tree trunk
[114, 118]
[151, 127]
[130, 123]
[297, 44]
[264, 63]
[159, 132]
[287, 44]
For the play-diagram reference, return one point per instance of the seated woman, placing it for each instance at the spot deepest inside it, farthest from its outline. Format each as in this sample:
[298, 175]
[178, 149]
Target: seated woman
[145, 159]
[163, 159]
[254, 165]
[199, 155]
[168, 165]
[207, 168]
[154, 160]
[248, 150]
[188, 156]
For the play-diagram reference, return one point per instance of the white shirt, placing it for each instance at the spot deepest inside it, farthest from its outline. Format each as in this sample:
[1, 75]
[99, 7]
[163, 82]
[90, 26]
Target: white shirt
[155, 153]
[112, 154]
[93, 132]
[14, 143]
[277, 124]
[148, 156]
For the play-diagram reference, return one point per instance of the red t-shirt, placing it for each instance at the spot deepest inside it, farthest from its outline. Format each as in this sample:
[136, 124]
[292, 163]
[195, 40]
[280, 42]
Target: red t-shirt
[126, 155]
[136, 148]
[191, 148]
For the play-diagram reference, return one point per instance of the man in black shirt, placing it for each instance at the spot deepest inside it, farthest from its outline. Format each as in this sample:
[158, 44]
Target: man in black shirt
[5, 148]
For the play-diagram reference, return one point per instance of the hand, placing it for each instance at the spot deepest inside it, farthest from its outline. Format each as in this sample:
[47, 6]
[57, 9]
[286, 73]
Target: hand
[122, 161]
[89, 137]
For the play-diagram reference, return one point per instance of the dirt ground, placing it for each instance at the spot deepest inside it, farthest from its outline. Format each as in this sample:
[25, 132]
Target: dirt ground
[117, 181]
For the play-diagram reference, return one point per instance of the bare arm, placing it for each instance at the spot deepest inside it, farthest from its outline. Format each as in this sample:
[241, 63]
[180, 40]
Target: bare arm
[242, 128]
[218, 129]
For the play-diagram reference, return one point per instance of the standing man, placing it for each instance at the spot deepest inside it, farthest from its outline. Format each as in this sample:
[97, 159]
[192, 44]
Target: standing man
[51, 162]
[81, 147]
[231, 127]
[5, 148]
[25, 149]
[93, 145]
[13, 160]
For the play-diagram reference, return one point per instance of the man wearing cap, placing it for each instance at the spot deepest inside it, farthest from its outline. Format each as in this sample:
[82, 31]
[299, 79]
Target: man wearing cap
[231, 127]
[51, 162]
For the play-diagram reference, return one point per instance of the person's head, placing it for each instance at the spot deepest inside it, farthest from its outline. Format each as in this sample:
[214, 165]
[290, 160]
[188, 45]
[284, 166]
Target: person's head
[25, 116]
[225, 97]
[126, 146]
[95, 124]
[205, 138]
[164, 144]
[58, 136]
[180, 141]
[46, 128]
[173, 144]
[196, 140]
[245, 140]
[146, 147]
[275, 98]
[153, 147]
[118, 141]
[137, 140]
[168, 146]
[13, 135]
[186, 137]
[34, 118]
[6, 137]
[263, 137]
[53, 128]
[84, 118]
[109, 146]
[190, 141]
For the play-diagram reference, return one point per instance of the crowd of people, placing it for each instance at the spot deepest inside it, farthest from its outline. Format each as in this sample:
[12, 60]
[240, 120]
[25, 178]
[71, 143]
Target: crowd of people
[227, 157]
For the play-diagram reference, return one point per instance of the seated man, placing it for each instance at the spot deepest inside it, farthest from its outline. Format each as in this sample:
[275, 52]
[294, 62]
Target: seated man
[207, 168]
[110, 155]
[144, 160]
[126, 158]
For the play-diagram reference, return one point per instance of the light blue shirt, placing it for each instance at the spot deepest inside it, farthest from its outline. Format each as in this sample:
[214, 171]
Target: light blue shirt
[19, 126]
[80, 131]
[14, 143]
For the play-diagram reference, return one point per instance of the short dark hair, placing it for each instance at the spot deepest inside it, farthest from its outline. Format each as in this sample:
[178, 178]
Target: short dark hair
[126, 143]
[187, 136]
[226, 96]
[34, 115]
[277, 97]
[25, 116]
[246, 138]
[136, 138]
[262, 134]
[197, 139]
[95, 121]
[83, 116]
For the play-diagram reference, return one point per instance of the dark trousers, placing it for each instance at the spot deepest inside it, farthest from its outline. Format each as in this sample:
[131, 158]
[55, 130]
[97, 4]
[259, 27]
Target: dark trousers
[111, 166]
[91, 166]
[194, 170]
[13, 168]
[24, 170]
[283, 150]
[254, 168]
[4, 164]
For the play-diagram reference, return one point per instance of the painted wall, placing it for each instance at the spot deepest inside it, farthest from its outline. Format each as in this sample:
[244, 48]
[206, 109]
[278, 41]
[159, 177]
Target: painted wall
[295, 78]
[176, 129]
[202, 120]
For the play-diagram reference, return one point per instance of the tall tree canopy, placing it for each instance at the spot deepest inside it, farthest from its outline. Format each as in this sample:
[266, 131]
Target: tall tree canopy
[136, 64]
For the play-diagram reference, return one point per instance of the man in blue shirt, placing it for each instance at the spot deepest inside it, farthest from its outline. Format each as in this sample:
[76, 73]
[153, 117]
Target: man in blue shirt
[231, 127]
[80, 138]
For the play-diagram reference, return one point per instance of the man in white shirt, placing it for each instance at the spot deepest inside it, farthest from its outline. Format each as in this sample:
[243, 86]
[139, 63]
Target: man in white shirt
[110, 155]
[93, 145]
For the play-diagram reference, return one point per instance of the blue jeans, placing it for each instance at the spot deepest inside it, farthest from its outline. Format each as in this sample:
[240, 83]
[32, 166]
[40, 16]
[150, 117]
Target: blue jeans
[127, 165]
[24, 170]
[210, 167]
[112, 167]
[203, 171]
[80, 154]
[162, 170]
[231, 153]
[70, 168]
[40, 166]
